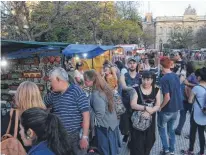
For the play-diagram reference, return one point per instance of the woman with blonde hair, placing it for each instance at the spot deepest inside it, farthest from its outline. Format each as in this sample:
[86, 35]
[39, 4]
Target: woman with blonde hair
[27, 96]
[103, 114]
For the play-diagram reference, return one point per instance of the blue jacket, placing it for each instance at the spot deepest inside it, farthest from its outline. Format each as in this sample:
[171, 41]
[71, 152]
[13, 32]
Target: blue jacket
[40, 149]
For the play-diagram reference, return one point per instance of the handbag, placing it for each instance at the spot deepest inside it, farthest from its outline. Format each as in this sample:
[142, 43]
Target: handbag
[202, 108]
[119, 106]
[10, 145]
[139, 121]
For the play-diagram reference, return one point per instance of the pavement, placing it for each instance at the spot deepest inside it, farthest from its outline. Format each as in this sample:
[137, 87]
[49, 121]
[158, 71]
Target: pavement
[181, 141]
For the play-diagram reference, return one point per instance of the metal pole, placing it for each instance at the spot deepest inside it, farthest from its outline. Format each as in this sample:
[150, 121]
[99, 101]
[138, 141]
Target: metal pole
[92, 63]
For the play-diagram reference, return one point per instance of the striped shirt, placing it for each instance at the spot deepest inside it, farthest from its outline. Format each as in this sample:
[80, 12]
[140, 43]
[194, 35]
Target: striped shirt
[69, 106]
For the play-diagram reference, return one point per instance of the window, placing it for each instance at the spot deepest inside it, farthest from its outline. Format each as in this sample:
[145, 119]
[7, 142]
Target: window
[161, 30]
[169, 30]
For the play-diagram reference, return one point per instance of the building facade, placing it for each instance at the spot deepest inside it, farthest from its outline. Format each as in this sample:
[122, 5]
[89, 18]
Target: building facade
[165, 24]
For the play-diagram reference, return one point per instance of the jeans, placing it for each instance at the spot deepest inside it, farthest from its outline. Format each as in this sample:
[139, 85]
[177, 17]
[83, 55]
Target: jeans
[74, 143]
[183, 112]
[107, 141]
[193, 129]
[167, 119]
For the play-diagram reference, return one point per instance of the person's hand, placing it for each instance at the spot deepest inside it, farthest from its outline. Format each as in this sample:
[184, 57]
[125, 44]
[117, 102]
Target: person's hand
[83, 143]
[146, 114]
[150, 110]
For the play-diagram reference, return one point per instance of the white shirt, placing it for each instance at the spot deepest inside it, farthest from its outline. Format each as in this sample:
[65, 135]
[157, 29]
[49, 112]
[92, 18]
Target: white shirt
[200, 93]
[123, 71]
[78, 74]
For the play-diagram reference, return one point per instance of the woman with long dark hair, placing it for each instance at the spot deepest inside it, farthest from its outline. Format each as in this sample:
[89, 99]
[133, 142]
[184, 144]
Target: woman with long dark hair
[44, 132]
[103, 114]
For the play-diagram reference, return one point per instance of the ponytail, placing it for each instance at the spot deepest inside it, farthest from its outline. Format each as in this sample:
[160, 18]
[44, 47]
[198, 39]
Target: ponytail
[47, 127]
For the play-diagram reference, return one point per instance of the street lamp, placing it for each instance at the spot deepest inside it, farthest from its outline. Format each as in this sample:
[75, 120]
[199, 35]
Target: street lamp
[3, 62]
[160, 45]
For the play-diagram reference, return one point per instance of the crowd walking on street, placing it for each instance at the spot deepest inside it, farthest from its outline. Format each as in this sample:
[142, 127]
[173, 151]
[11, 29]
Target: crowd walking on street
[126, 103]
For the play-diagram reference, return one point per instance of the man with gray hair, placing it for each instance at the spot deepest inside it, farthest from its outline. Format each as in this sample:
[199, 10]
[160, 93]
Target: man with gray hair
[70, 104]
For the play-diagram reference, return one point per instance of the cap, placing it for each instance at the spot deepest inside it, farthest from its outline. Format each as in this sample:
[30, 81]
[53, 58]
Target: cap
[132, 59]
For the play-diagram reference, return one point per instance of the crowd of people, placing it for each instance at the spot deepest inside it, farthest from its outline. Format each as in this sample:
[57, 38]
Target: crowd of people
[126, 98]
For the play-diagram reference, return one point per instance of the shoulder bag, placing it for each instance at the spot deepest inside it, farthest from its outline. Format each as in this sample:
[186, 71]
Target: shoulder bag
[139, 121]
[204, 107]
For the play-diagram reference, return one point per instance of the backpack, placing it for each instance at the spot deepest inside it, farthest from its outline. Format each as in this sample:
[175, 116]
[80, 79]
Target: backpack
[10, 145]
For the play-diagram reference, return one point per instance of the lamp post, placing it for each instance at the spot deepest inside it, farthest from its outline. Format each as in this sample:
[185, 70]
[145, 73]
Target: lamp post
[160, 45]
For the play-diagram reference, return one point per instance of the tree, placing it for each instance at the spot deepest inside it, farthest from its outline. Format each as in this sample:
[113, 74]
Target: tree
[148, 37]
[30, 20]
[200, 37]
[82, 22]
[124, 26]
[128, 10]
[181, 38]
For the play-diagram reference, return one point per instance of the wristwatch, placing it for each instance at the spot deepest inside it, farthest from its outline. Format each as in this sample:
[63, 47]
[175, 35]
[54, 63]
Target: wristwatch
[145, 108]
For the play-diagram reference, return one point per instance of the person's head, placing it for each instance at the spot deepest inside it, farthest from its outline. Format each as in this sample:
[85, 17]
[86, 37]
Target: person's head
[183, 54]
[146, 61]
[28, 96]
[132, 64]
[37, 125]
[177, 56]
[94, 79]
[201, 74]
[190, 68]
[59, 79]
[152, 62]
[129, 53]
[120, 65]
[165, 62]
[79, 66]
[107, 69]
[107, 62]
[148, 79]
[172, 66]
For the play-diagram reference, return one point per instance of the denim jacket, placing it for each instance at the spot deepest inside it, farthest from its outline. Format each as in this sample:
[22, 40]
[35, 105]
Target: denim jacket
[40, 149]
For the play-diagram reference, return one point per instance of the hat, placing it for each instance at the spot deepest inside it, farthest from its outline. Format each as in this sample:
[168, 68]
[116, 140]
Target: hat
[132, 59]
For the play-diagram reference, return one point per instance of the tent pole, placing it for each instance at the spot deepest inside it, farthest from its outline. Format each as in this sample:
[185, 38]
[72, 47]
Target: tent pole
[92, 63]
[109, 55]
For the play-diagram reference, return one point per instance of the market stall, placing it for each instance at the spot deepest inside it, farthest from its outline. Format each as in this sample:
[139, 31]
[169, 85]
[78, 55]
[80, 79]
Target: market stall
[27, 61]
[92, 56]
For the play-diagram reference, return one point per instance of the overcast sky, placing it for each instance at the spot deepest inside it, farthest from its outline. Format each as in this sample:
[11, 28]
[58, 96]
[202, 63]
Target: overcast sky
[172, 8]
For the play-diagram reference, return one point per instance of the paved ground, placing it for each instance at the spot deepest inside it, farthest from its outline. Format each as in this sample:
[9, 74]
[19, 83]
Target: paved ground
[181, 141]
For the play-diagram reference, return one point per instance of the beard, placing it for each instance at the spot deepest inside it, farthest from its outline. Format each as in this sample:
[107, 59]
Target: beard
[132, 70]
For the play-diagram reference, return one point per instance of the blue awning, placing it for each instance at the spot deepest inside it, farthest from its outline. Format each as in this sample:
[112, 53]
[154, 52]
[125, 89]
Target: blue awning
[30, 52]
[88, 51]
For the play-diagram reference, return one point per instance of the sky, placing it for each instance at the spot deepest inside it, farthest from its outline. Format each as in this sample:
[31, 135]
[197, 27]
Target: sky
[171, 8]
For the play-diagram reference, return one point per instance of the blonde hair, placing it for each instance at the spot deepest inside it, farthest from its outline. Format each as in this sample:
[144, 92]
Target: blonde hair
[28, 96]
